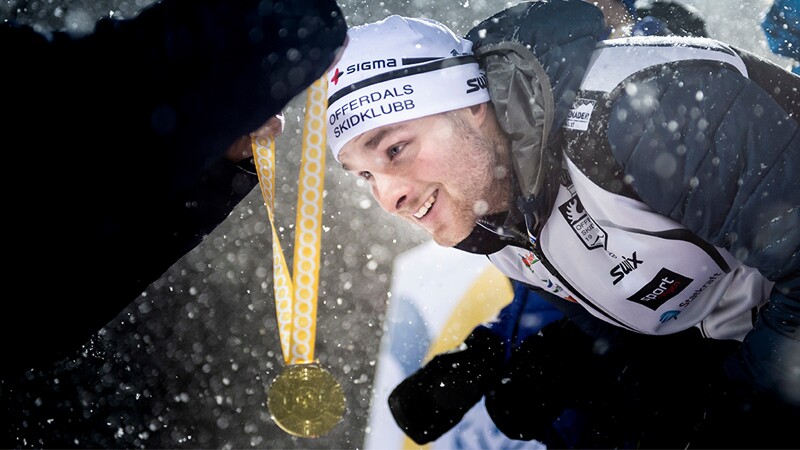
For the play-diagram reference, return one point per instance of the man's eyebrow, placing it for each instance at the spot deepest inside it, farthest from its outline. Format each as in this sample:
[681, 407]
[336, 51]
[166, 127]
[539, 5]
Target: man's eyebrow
[376, 138]
[373, 141]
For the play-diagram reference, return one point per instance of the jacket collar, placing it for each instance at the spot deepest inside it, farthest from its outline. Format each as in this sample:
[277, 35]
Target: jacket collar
[535, 55]
[495, 231]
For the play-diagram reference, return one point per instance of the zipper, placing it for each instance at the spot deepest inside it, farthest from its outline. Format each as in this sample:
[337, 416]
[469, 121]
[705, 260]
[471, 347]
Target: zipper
[507, 232]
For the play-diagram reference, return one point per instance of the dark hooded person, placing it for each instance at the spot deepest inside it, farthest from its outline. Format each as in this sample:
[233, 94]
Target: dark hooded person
[119, 141]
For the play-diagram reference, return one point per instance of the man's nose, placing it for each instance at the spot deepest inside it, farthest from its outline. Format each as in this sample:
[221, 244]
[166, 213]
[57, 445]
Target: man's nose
[392, 193]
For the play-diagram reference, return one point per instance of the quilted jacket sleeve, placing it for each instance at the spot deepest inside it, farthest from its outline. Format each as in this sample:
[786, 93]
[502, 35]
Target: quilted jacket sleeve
[716, 152]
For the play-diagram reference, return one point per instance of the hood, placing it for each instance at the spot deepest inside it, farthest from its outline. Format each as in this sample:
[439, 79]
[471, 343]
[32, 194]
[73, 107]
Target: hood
[535, 55]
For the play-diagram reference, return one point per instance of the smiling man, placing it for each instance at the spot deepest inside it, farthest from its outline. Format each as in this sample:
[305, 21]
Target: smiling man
[442, 172]
[414, 176]
[650, 181]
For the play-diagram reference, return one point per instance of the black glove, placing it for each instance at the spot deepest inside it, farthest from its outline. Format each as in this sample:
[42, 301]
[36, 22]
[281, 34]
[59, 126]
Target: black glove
[667, 385]
[738, 416]
[567, 389]
[545, 375]
[433, 399]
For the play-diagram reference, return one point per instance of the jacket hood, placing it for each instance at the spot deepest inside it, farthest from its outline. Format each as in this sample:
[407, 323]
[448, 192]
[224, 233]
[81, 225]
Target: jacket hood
[535, 55]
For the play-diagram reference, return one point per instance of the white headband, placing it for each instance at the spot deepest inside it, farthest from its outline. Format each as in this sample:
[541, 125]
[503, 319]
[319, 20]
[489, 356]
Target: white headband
[399, 69]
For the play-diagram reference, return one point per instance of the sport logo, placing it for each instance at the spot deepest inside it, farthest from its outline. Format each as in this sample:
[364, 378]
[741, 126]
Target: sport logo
[627, 266]
[578, 117]
[669, 315]
[529, 260]
[370, 65]
[336, 76]
[664, 286]
[363, 65]
[583, 225]
[476, 84]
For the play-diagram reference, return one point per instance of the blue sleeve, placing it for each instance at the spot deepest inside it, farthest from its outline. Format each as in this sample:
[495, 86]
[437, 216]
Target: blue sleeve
[781, 25]
[712, 150]
[526, 315]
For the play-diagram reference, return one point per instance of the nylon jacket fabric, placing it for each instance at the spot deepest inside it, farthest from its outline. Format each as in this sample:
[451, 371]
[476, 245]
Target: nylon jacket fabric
[541, 68]
[781, 25]
[741, 122]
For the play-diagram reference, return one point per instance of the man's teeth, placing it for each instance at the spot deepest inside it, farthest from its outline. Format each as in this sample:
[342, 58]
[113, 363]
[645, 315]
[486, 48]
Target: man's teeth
[425, 208]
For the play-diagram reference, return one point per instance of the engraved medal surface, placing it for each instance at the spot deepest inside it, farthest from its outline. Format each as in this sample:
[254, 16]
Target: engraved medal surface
[305, 400]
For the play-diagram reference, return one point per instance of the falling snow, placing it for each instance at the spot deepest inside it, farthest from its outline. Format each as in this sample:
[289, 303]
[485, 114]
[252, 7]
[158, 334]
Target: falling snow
[187, 364]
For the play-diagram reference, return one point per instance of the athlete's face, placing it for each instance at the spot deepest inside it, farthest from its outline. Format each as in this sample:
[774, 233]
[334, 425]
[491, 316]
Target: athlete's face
[440, 172]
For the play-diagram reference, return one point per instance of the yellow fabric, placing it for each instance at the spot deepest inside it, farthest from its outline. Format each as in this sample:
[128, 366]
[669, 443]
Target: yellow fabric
[484, 299]
[296, 297]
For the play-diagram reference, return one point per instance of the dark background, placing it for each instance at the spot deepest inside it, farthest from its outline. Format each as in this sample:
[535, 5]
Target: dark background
[187, 364]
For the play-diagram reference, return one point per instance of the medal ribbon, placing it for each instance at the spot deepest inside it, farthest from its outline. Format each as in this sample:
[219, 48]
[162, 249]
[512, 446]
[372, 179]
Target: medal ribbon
[296, 298]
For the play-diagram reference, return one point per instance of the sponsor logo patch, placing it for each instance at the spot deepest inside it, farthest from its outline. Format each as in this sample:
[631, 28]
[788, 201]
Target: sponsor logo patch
[578, 117]
[528, 261]
[476, 84]
[627, 266]
[583, 225]
[669, 315]
[363, 65]
[699, 290]
[338, 74]
[664, 286]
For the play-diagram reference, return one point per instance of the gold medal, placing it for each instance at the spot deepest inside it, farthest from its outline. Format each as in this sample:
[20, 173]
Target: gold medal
[305, 400]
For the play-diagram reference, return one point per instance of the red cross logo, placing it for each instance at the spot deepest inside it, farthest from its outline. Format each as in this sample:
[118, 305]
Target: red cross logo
[336, 76]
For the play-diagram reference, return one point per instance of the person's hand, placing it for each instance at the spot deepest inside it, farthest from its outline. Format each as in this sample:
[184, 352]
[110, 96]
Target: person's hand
[538, 383]
[433, 399]
[242, 148]
[273, 127]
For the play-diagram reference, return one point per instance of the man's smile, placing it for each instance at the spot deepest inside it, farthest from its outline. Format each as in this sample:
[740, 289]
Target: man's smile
[423, 210]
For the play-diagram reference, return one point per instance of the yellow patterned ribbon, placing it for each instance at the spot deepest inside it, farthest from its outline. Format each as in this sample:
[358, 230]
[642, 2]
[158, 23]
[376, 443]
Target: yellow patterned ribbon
[296, 298]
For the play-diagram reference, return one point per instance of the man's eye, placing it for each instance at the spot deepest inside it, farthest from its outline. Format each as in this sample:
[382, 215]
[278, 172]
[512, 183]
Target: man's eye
[365, 175]
[394, 150]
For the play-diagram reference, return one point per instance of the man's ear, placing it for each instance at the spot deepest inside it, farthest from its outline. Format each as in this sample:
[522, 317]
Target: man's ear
[478, 114]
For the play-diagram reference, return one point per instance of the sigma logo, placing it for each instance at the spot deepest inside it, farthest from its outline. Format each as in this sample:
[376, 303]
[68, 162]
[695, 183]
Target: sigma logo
[627, 266]
[363, 65]
[664, 286]
[371, 65]
[476, 84]
[583, 225]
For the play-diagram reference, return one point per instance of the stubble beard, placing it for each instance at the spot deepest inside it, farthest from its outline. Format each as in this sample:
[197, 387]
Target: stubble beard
[480, 155]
